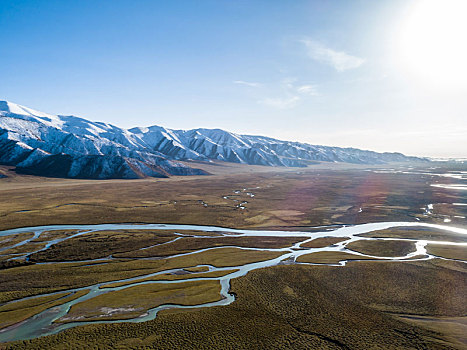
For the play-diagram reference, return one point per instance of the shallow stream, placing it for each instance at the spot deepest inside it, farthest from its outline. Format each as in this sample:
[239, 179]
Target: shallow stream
[43, 323]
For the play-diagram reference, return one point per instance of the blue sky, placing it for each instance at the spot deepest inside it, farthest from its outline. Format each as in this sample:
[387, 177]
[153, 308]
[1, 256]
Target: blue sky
[323, 72]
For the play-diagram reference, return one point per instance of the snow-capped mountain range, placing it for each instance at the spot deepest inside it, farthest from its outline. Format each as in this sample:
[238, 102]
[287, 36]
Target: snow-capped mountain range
[67, 146]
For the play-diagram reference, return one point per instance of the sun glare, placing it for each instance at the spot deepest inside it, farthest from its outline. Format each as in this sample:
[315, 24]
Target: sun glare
[432, 42]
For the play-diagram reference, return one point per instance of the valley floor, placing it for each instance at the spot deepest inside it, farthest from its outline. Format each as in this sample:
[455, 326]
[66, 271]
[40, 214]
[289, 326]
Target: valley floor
[297, 293]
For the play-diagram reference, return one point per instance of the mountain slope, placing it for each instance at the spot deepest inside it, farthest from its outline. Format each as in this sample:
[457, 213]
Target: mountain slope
[68, 146]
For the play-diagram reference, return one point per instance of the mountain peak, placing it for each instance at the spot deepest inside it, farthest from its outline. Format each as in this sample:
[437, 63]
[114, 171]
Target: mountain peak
[9, 108]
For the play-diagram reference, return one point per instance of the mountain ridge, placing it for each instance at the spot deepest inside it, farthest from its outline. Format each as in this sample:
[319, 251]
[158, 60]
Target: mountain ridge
[39, 143]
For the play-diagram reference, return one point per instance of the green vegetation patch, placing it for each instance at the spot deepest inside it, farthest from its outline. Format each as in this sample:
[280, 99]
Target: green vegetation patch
[189, 244]
[8, 241]
[55, 234]
[172, 277]
[8, 264]
[95, 245]
[37, 279]
[134, 301]
[18, 311]
[4, 258]
[25, 248]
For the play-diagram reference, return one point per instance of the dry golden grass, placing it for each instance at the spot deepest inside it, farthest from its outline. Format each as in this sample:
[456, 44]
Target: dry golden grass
[298, 307]
[447, 251]
[382, 247]
[329, 257]
[453, 328]
[417, 233]
[286, 199]
[197, 269]
[202, 233]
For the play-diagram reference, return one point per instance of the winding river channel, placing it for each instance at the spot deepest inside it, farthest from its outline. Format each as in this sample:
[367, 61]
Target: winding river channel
[43, 323]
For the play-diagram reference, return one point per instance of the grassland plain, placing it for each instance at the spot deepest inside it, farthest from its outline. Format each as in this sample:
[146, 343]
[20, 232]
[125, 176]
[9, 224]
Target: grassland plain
[282, 199]
[287, 306]
[299, 307]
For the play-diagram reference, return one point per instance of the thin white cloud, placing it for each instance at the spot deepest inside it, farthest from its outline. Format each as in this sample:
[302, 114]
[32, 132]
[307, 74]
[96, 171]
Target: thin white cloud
[340, 60]
[247, 83]
[289, 94]
[309, 90]
[280, 102]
